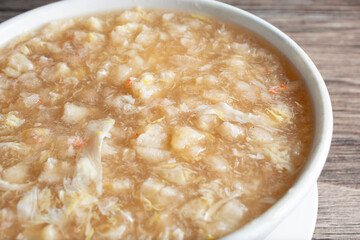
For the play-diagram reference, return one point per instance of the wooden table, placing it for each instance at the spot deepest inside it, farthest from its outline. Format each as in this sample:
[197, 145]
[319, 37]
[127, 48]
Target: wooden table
[329, 31]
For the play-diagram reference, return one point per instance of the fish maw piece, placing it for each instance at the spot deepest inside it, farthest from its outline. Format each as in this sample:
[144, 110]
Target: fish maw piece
[88, 167]
[226, 113]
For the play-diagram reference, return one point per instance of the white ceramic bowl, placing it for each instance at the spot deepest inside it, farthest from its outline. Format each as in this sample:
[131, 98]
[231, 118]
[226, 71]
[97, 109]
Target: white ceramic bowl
[263, 225]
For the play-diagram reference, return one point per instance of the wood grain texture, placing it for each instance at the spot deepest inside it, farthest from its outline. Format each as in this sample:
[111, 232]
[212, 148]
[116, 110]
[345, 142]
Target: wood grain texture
[329, 31]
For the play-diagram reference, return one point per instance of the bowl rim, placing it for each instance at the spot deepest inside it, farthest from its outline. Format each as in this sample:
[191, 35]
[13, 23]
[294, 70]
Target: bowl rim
[265, 223]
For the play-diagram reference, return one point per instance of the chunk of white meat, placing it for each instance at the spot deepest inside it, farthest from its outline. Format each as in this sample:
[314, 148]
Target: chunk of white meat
[279, 155]
[29, 80]
[167, 16]
[17, 174]
[7, 218]
[231, 131]
[207, 122]
[164, 36]
[226, 219]
[113, 233]
[119, 186]
[123, 34]
[55, 97]
[72, 81]
[187, 139]
[94, 24]
[55, 29]
[171, 233]
[240, 48]
[49, 232]
[245, 91]
[190, 43]
[88, 172]
[156, 195]
[153, 155]
[56, 73]
[259, 136]
[39, 232]
[195, 209]
[215, 96]
[155, 136]
[94, 41]
[214, 217]
[120, 74]
[55, 171]
[17, 64]
[29, 99]
[171, 111]
[74, 114]
[191, 103]
[236, 61]
[217, 163]
[6, 186]
[206, 81]
[151, 145]
[130, 16]
[122, 104]
[136, 62]
[147, 37]
[25, 50]
[146, 87]
[27, 206]
[176, 30]
[167, 77]
[185, 61]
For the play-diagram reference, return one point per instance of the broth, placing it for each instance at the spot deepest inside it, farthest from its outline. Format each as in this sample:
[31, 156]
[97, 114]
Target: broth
[146, 124]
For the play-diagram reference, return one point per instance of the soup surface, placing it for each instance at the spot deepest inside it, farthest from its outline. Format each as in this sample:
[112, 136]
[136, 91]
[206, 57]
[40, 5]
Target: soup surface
[145, 124]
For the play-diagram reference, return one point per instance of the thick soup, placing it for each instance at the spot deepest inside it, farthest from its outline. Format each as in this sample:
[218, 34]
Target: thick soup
[145, 124]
